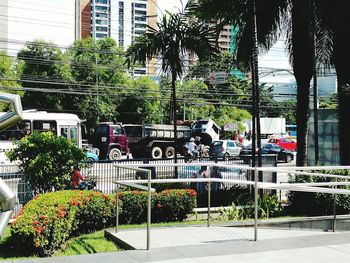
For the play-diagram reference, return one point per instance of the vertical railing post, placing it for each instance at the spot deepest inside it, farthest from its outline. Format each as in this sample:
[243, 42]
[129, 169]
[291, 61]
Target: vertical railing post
[335, 209]
[209, 198]
[149, 203]
[117, 208]
[255, 205]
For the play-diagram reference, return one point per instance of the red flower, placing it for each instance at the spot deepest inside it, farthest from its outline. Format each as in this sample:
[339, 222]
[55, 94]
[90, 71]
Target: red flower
[159, 205]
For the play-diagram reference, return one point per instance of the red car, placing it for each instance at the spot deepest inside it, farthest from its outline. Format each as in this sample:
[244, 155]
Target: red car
[285, 143]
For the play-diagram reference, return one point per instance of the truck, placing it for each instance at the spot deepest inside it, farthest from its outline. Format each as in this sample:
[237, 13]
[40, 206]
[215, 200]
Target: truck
[157, 141]
[111, 140]
[270, 126]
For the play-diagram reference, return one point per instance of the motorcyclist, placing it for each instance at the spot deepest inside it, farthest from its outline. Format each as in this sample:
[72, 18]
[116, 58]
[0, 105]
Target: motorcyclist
[192, 147]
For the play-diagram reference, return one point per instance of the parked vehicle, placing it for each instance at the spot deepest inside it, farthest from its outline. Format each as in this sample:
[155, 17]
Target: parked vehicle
[66, 125]
[271, 148]
[157, 141]
[285, 143]
[111, 140]
[224, 149]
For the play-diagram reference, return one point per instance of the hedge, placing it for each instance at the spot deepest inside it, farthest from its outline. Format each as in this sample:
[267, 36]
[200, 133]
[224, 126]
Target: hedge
[312, 204]
[167, 206]
[48, 220]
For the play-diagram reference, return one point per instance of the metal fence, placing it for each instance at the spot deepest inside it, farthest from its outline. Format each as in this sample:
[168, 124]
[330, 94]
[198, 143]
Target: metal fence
[104, 173]
[17, 183]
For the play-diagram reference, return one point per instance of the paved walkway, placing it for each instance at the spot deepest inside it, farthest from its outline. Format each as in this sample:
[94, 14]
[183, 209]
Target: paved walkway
[225, 244]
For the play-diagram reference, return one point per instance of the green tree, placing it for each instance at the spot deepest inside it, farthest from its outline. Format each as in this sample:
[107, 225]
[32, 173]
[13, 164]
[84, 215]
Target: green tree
[141, 102]
[175, 35]
[99, 74]
[271, 16]
[45, 71]
[46, 160]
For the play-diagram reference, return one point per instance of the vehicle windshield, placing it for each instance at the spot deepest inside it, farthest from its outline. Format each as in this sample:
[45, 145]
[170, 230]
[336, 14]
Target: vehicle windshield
[217, 144]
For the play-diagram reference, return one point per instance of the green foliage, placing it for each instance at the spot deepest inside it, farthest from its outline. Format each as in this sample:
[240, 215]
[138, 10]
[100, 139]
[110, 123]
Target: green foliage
[310, 204]
[53, 70]
[9, 70]
[99, 70]
[268, 206]
[167, 206]
[141, 102]
[48, 220]
[46, 160]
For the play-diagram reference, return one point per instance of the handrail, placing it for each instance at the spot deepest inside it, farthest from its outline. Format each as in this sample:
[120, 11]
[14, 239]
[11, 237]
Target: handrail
[302, 187]
[141, 187]
[7, 197]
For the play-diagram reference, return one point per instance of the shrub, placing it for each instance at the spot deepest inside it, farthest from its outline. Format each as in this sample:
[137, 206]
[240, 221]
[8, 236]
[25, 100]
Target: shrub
[310, 204]
[268, 206]
[48, 220]
[46, 160]
[167, 206]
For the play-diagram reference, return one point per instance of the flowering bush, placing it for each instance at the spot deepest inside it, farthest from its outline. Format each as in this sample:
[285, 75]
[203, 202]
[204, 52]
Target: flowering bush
[167, 206]
[48, 220]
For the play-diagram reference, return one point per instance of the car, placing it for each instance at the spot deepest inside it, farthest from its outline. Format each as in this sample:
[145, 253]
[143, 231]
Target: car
[91, 156]
[285, 143]
[224, 149]
[271, 148]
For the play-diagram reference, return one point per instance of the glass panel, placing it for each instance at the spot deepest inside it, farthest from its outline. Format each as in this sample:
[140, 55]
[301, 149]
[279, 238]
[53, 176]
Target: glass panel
[44, 126]
[64, 132]
[74, 134]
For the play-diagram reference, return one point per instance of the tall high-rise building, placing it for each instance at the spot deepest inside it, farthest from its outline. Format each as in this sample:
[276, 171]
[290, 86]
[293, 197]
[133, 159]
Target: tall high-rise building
[122, 20]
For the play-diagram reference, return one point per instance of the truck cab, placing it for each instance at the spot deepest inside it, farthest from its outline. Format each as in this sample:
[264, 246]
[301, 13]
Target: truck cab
[111, 140]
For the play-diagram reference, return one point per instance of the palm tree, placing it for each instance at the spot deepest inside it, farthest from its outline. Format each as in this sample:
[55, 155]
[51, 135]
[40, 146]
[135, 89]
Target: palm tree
[271, 16]
[174, 36]
[339, 21]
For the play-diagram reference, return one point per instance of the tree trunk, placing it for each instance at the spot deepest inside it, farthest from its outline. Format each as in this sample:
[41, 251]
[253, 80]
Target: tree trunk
[173, 88]
[302, 41]
[340, 24]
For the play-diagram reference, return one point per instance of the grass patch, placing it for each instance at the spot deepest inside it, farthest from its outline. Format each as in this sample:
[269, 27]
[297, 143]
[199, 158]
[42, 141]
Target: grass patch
[88, 244]
[9, 251]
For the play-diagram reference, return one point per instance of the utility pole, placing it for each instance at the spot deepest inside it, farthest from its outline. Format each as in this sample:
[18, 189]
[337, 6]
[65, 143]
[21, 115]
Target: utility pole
[96, 62]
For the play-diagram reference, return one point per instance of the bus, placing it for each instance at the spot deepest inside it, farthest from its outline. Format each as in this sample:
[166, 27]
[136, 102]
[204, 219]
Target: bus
[291, 129]
[61, 124]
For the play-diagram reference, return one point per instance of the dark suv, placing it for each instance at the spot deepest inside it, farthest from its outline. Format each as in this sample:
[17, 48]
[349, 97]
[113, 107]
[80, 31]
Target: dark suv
[271, 148]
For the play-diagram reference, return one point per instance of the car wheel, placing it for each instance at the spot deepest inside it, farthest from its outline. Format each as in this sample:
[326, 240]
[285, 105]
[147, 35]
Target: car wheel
[156, 153]
[288, 158]
[169, 152]
[114, 154]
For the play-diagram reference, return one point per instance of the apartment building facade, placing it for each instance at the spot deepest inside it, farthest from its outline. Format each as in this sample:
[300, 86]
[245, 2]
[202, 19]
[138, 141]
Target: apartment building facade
[122, 20]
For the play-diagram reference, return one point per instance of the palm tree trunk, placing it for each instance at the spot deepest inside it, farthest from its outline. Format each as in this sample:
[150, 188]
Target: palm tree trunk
[302, 40]
[173, 88]
[341, 21]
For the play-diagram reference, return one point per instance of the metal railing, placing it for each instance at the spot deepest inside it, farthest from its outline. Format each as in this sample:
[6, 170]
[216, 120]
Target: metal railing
[302, 187]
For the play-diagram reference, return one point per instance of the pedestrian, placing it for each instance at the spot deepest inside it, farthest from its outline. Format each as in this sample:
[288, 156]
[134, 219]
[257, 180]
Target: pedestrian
[215, 186]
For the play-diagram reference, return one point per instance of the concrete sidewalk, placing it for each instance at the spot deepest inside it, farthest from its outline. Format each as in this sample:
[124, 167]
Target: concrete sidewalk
[225, 244]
